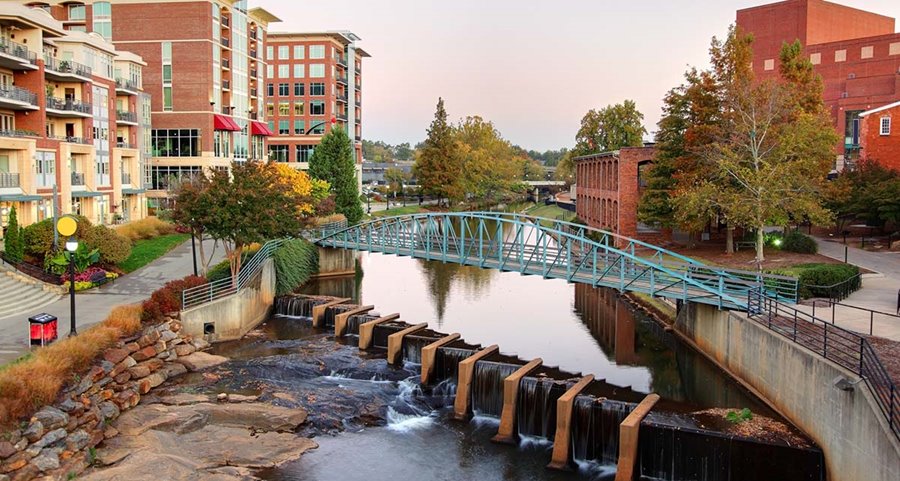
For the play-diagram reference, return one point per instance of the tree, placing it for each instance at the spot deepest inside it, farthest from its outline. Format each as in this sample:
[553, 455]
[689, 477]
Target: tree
[13, 244]
[395, 178]
[868, 193]
[610, 128]
[491, 166]
[403, 152]
[332, 162]
[193, 211]
[438, 165]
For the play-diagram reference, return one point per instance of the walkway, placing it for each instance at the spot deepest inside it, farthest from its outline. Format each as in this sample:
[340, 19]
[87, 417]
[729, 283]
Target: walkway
[95, 305]
[879, 292]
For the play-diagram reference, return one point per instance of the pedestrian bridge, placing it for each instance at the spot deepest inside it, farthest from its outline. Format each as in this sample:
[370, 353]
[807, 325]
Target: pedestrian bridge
[556, 249]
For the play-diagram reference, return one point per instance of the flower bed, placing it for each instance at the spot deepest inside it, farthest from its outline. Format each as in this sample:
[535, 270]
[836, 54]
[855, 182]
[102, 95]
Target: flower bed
[91, 277]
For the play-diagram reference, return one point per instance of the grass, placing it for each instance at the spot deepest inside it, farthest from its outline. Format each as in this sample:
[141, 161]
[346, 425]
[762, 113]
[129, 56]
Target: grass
[410, 209]
[35, 381]
[148, 250]
[551, 212]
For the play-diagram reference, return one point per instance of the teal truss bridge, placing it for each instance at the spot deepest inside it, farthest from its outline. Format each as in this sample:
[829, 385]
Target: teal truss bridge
[556, 249]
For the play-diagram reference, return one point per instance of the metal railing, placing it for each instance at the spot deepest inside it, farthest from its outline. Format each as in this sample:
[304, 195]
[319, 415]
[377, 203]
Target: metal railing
[863, 312]
[18, 50]
[836, 292]
[18, 94]
[77, 179]
[9, 180]
[845, 348]
[226, 43]
[226, 63]
[70, 105]
[250, 269]
[126, 116]
[74, 140]
[341, 60]
[341, 78]
[125, 145]
[17, 133]
[66, 66]
[126, 84]
[226, 85]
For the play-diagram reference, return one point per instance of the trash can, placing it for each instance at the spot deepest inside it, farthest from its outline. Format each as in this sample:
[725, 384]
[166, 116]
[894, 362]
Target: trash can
[43, 329]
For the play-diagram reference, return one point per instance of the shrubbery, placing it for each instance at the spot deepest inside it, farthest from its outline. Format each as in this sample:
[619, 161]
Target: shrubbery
[168, 298]
[296, 261]
[815, 276]
[38, 237]
[13, 247]
[798, 242]
[114, 248]
[147, 228]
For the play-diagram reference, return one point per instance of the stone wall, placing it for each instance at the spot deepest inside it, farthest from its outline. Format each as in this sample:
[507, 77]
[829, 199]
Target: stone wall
[848, 426]
[58, 441]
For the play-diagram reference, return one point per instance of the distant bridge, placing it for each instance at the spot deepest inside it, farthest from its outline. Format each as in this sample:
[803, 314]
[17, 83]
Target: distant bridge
[556, 249]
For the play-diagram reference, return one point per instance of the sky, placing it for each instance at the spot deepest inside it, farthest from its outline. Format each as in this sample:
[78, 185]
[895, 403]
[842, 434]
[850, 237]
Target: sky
[532, 67]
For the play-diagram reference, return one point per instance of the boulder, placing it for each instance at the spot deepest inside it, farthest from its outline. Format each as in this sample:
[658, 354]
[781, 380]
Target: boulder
[174, 369]
[48, 460]
[200, 360]
[7, 449]
[51, 418]
[895, 246]
[50, 439]
[78, 440]
[109, 410]
[167, 335]
[184, 350]
[115, 355]
[144, 354]
[148, 339]
[139, 372]
[132, 347]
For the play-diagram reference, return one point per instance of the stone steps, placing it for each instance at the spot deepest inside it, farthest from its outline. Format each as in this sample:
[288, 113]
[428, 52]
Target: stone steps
[22, 297]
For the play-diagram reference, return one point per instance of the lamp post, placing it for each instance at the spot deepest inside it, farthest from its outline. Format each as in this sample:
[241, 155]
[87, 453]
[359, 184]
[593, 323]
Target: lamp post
[71, 247]
[369, 202]
[194, 248]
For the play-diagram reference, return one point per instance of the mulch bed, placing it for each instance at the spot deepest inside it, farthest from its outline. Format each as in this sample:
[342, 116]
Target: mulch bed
[889, 354]
[757, 427]
[745, 258]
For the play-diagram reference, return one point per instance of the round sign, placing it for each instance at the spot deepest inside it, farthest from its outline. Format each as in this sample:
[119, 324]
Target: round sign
[66, 226]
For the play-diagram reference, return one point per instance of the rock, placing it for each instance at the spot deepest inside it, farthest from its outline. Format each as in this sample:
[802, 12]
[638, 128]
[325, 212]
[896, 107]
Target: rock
[110, 433]
[174, 369]
[132, 347]
[123, 366]
[4, 477]
[175, 326]
[78, 440]
[22, 444]
[7, 449]
[239, 398]
[200, 344]
[156, 379]
[200, 360]
[48, 460]
[183, 399]
[160, 347]
[67, 405]
[222, 397]
[34, 431]
[144, 354]
[184, 350]
[109, 410]
[148, 339]
[14, 463]
[50, 438]
[51, 418]
[107, 366]
[167, 335]
[26, 473]
[115, 355]
[95, 374]
[82, 387]
[139, 372]
[123, 378]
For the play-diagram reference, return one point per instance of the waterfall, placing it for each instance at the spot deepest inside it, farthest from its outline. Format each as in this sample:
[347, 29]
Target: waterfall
[595, 428]
[446, 362]
[536, 406]
[353, 323]
[331, 312]
[487, 387]
[296, 306]
[412, 348]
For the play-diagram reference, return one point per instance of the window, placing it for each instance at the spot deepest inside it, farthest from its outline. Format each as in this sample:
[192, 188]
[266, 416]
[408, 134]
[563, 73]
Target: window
[851, 129]
[284, 52]
[840, 55]
[284, 108]
[175, 142]
[885, 126]
[168, 101]
[867, 52]
[278, 153]
[270, 71]
[299, 70]
[299, 89]
[894, 49]
[304, 152]
[769, 64]
[317, 107]
[316, 51]
[270, 53]
[284, 71]
[815, 58]
[317, 127]
[317, 70]
[162, 176]
[270, 90]
[317, 89]
[45, 168]
[298, 108]
[299, 52]
[76, 12]
[284, 127]
[284, 89]
[299, 127]
[222, 143]
[7, 123]
[270, 110]
[103, 19]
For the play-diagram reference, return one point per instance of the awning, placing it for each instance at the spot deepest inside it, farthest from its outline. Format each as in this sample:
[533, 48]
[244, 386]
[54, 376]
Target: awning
[85, 193]
[223, 122]
[133, 191]
[260, 128]
[20, 198]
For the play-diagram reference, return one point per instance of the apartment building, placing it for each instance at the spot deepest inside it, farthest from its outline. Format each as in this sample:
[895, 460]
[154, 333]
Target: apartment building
[313, 83]
[205, 76]
[856, 52]
[73, 122]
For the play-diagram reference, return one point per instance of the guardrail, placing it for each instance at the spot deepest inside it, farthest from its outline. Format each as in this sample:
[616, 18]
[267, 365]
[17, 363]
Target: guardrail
[18, 94]
[837, 292]
[871, 313]
[251, 268]
[845, 348]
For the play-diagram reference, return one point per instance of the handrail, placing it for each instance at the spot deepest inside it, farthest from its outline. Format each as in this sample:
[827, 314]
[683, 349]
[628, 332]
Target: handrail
[845, 348]
[872, 313]
[199, 295]
[840, 291]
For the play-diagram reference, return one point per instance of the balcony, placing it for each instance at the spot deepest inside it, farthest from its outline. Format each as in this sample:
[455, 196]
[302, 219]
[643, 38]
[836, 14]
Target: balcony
[342, 116]
[253, 92]
[358, 103]
[9, 180]
[16, 56]
[73, 140]
[253, 54]
[226, 85]
[127, 87]
[226, 43]
[226, 64]
[68, 108]
[341, 79]
[125, 145]
[126, 178]
[65, 70]
[124, 117]
[226, 22]
[17, 98]
[341, 60]
[77, 179]
[342, 98]
[253, 74]
[17, 133]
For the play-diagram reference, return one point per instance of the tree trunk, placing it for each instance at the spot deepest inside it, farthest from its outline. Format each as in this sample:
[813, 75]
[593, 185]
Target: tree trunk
[729, 239]
[234, 258]
[202, 252]
[760, 246]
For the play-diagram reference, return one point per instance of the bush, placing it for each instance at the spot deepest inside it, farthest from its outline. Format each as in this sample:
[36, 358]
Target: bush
[167, 299]
[113, 247]
[38, 237]
[296, 261]
[814, 277]
[146, 229]
[14, 249]
[222, 270]
[798, 242]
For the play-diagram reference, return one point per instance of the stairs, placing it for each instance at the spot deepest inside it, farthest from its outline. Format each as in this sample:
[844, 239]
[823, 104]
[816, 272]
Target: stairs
[18, 296]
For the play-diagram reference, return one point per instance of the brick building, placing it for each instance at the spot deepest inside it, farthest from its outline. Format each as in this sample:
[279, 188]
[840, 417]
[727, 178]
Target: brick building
[314, 82]
[609, 186]
[73, 120]
[880, 135]
[856, 52]
[205, 76]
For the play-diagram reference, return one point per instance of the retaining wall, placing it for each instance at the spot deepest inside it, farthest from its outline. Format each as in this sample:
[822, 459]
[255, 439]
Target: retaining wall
[336, 262]
[848, 426]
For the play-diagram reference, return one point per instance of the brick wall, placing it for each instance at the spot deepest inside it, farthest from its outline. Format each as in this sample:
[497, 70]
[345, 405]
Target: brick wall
[884, 149]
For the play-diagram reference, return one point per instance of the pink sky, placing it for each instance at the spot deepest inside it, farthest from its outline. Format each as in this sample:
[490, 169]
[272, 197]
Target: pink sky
[532, 67]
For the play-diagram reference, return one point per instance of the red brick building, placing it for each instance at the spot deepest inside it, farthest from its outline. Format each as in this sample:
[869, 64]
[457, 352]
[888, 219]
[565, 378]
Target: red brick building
[609, 187]
[314, 82]
[857, 53]
[880, 135]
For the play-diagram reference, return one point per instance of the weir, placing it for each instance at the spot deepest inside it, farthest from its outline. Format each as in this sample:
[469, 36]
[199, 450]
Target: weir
[671, 445]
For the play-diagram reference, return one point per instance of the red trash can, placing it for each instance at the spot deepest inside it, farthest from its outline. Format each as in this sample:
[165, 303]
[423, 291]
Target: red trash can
[43, 329]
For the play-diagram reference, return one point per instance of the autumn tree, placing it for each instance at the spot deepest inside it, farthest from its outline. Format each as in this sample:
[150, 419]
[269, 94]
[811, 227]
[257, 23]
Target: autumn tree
[192, 210]
[333, 162]
[610, 128]
[438, 165]
[492, 168]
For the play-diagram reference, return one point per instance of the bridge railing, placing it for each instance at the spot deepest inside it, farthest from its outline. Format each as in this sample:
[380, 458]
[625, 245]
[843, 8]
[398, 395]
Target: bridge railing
[250, 269]
[845, 348]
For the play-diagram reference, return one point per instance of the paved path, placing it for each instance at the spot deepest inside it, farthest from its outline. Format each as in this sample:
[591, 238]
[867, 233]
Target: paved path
[93, 306]
[879, 292]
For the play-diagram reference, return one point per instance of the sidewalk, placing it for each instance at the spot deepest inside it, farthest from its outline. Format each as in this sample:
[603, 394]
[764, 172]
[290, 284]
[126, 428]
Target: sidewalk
[95, 305]
[879, 292]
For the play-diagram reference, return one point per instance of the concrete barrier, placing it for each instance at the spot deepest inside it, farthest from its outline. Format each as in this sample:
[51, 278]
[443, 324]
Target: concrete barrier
[560, 457]
[628, 438]
[464, 381]
[231, 317]
[336, 262]
[507, 432]
[366, 330]
[395, 342]
[318, 312]
[429, 354]
[848, 425]
[340, 320]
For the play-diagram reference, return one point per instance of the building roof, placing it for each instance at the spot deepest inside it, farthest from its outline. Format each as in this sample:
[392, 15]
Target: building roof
[344, 38]
[263, 14]
[362, 53]
[125, 56]
[32, 17]
[880, 109]
[615, 153]
[93, 39]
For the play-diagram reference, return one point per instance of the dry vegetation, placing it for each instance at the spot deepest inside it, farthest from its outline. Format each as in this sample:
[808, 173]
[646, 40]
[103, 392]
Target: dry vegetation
[147, 228]
[37, 380]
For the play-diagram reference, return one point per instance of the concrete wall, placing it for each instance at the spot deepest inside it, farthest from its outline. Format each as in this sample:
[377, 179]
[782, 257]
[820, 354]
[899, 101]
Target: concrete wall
[848, 426]
[235, 315]
[336, 262]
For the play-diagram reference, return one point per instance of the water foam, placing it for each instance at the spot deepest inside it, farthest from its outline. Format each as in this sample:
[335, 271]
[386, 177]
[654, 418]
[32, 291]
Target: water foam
[407, 422]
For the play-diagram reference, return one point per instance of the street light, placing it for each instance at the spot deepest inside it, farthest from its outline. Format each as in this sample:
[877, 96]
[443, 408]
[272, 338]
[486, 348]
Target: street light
[71, 247]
